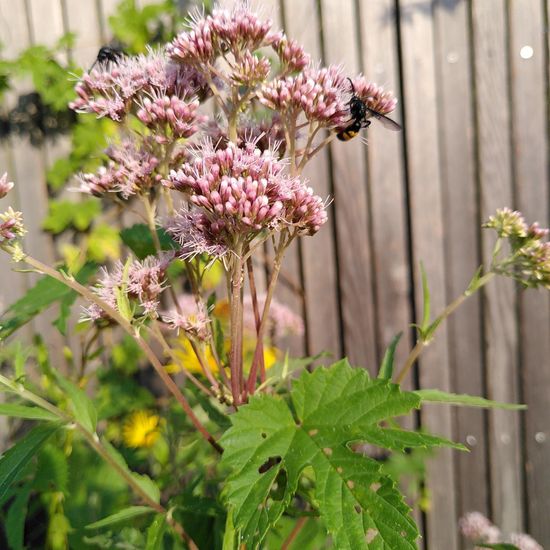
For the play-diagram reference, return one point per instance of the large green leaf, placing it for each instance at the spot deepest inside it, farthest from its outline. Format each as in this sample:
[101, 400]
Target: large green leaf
[140, 240]
[155, 533]
[17, 457]
[84, 411]
[272, 442]
[42, 295]
[15, 518]
[440, 396]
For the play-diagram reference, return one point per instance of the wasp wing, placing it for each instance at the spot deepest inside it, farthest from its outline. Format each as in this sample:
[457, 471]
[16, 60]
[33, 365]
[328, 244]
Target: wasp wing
[385, 121]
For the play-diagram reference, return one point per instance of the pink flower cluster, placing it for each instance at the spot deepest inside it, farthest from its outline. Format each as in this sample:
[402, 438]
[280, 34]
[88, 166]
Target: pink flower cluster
[111, 89]
[250, 70]
[196, 235]
[323, 96]
[478, 529]
[141, 282]
[291, 54]
[169, 116]
[224, 30]
[244, 190]
[131, 170]
[11, 225]
[5, 185]
[191, 318]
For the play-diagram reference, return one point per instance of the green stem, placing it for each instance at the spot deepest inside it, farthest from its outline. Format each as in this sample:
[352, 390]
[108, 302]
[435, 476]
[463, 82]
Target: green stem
[96, 445]
[235, 362]
[422, 343]
[129, 329]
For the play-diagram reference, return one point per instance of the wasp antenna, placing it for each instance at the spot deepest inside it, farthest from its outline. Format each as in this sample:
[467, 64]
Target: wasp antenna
[351, 84]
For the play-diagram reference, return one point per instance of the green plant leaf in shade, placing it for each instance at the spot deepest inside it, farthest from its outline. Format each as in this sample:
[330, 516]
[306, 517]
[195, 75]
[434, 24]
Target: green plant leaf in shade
[147, 485]
[155, 533]
[271, 442]
[139, 239]
[84, 410]
[30, 413]
[42, 295]
[386, 368]
[14, 460]
[121, 517]
[439, 396]
[63, 214]
[15, 518]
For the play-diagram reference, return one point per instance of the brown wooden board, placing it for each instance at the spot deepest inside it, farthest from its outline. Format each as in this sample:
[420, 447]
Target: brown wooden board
[318, 252]
[351, 208]
[495, 174]
[530, 142]
[427, 225]
[462, 228]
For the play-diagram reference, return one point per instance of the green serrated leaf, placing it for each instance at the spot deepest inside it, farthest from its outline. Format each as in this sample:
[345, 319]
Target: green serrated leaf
[439, 396]
[270, 444]
[17, 457]
[140, 240]
[15, 519]
[30, 413]
[84, 410]
[386, 368]
[121, 517]
[155, 533]
[147, 485]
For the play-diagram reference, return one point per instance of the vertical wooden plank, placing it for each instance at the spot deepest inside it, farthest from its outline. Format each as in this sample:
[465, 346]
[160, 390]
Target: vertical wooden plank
[351, 201]
[386, 169]
[462, 250]
[529, 112]
[83, 19]
[425, 202]
[318, 253]
[493, 116]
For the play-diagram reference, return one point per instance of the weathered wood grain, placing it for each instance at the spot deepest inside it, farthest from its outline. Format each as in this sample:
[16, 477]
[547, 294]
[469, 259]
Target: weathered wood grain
[462, 249]
[495, 174]
[318, 253]
[351, 208]
[530, 153]
[419, 89]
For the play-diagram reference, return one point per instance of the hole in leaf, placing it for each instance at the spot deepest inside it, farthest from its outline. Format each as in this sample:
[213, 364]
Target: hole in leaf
[269, 463]
[278, 488]
[264, 435]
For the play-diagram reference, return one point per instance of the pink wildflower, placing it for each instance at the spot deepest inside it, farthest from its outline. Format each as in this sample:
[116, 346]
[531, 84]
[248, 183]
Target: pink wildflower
[196, 235]
[5, 185]
[250, 70]
[524, 542]
[374, 96]
[161, 113]
[292, 56]
[191, 318]
[477, 528]
[11, 225]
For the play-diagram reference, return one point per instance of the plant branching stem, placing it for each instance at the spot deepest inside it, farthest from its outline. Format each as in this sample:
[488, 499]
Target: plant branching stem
[129, 329]
[449, 309]
[235, 363]
[294, 533]
[96, 445]
[257, 320]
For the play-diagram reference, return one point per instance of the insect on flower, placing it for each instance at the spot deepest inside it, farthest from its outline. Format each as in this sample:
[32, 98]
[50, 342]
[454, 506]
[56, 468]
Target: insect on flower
[110, 54]
[359, 111]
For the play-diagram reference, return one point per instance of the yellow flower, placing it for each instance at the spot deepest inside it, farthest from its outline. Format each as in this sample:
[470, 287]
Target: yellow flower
[141, 429]
[186, 356]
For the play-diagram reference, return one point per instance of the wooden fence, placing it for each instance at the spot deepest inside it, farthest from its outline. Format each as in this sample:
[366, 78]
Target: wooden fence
[472, 78]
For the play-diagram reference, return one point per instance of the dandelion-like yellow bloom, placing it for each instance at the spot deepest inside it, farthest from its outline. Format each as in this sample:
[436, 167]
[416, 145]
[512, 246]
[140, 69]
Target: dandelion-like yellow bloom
[141, 429]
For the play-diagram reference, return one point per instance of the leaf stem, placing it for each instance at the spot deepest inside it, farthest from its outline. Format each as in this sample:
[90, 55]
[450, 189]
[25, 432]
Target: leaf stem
[294, 533]
[129, 329]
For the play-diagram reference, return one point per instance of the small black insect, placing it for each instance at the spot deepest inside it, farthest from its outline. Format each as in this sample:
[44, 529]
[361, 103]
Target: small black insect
[108, 54]
[359, 111]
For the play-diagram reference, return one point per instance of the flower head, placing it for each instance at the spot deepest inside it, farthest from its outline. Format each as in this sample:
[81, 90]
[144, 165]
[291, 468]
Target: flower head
[141, 429]
[11, 225]
[189, 317]
[524, 542]
[5, 185]
[508, 223]
[477, 528]
[128, 287]
[291, 54]
[374, 96]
